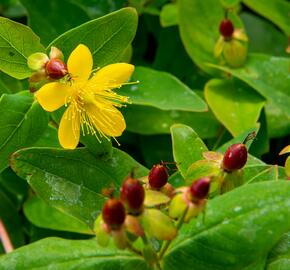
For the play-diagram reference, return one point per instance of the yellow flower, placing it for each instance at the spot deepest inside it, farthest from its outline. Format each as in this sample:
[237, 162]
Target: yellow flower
[91, 103]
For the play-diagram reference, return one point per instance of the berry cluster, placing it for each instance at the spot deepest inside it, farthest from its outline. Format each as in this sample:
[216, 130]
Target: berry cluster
[150, 208]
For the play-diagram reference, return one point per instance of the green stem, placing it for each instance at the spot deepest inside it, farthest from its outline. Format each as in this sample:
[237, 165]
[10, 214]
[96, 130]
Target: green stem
[167, 244]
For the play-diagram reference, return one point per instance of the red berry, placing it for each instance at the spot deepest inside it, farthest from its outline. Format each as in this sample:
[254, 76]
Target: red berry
[158, 176]
[55, 68]
[114, 213]
[226, 28]
[200, 188]
[235, 157]
[133, 194]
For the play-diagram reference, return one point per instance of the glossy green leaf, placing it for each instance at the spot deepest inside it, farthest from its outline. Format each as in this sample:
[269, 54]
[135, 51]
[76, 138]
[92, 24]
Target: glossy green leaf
[230, 3]
[17, 42]
[162, 90]
[279, 258]
[269, 76]
[72, 180]
[240, 138]
[58, 254]
[198, 25]
[11, 220]
[51, 18]
[235, 234]
[107, 37]
[22, 122]
[148, 121]
[14, 187]
[187, 147]
[49, 138]
[276, 11]
[260, 172]
[169, 15]
[10, 85]
[102, 148]
[264, 36]
[42, 215]
[234, 104]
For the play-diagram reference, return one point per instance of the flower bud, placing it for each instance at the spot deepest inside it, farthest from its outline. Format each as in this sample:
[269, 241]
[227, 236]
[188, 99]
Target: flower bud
[56, 69]
[199, 189]
[158, 176]
[235, 157]
[37, 61]
[114, 214]
[226, 28]
[55, 53]
[133, 194]
[235, 53]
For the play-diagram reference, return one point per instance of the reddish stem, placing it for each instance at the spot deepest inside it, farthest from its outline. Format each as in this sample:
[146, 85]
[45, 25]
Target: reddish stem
[4, 238]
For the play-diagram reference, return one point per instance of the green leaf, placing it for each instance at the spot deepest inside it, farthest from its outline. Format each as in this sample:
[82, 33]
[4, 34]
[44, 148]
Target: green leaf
[187, 147]
[72, 180]
[276, 11]
[11, 220]
[162, 90]
[234, 104]
[269, 76]
[57, 254]
[169, 15]
[239, 229]
[102, 148]
[230, 3]
[10, 85]
[148, 121]
[107, 37]
[259, 172]
[49, 138]
[51, 18]
[22, 122]
[240, 138]
[279, 258]
[42, 215]
[264, 36]
[14, 187]
[198, 25]
[17, 42]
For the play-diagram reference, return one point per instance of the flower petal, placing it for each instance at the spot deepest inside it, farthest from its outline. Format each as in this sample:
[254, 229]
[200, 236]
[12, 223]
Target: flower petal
[80, 63]
[69, 129]
[52, 96]
[112, 76]
[108, 121]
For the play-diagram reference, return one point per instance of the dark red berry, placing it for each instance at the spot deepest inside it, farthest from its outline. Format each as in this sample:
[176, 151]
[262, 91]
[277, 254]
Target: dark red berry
[158, 176]
[226, 28]
[114, 213]
[200, 188]
[235, 157]
[55, 68]
[133, 194]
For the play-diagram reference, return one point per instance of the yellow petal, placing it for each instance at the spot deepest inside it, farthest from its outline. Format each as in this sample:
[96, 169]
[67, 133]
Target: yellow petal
[108, 120]
[112, 76]
[80, 63]
[69, 129]
[52, 96]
